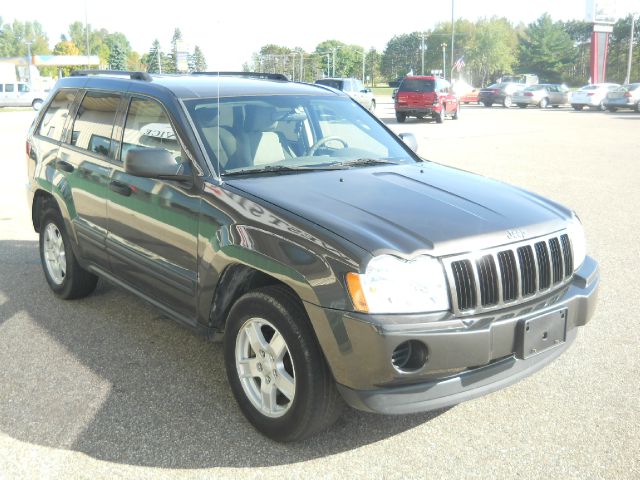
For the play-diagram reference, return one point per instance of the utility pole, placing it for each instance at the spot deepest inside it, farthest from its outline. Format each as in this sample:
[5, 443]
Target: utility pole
[159, 62]
[627, 79]
[444, 60]
[86, 31]
[29, 61]
[333, 50]
[453, 33]
[422, 51]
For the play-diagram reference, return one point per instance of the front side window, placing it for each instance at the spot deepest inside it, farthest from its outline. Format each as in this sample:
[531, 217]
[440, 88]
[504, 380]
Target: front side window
[23, 88]
[291, 131]
[148, 126]
[93, 125]
[56, 115]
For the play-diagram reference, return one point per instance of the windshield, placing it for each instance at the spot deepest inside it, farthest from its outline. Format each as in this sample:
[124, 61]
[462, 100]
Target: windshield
[277, 132]
[417, 85]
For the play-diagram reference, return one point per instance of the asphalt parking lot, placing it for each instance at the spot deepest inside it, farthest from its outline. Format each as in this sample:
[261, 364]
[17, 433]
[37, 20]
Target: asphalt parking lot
[107, 387]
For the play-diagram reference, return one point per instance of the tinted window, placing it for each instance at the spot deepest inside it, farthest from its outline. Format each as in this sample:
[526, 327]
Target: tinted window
[56, 115]
[23, 87]
[93, 125]
[147, 125]
[9, 87]
[1, 88]
[417, 85]
[337, 84]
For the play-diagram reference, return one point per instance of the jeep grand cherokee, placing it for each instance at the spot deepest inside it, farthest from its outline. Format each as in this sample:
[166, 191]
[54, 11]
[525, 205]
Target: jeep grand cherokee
[284, 219]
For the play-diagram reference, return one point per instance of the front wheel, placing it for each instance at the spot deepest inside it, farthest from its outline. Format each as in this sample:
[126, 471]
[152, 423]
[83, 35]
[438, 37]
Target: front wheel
[275, 367]
[62, 271]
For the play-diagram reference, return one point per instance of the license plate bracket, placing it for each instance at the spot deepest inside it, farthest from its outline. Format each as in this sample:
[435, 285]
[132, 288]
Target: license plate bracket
[538, 334]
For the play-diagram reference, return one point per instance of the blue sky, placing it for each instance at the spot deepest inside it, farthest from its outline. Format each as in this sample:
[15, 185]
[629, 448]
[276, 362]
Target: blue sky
[229, 32]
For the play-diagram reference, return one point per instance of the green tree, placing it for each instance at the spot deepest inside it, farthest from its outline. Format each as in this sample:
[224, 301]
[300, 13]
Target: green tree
[13, 38]
[134, 61]
[117, 58]
[580, 34]
[155, 59]
[197, 62]
[172, 57]
[547, 50]
[492, 51]
[66, 47]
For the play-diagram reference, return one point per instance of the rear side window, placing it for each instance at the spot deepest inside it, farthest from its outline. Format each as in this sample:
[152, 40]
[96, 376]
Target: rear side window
[417, 86]
[9, 87]
[148, 125]
[93, 125]
[56, 115]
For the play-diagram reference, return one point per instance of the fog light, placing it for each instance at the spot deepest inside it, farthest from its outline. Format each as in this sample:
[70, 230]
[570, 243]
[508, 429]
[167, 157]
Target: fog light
[409, 356]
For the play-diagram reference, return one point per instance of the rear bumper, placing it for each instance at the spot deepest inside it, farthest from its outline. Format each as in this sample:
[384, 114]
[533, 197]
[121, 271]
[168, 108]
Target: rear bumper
[467, 357]
[621, 103]
[414, 111]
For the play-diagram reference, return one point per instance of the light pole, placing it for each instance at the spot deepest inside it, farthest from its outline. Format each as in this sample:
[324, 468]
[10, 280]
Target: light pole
[444, 60]
[453, 31]
[634, 17]
[422, 51]
[29, 61]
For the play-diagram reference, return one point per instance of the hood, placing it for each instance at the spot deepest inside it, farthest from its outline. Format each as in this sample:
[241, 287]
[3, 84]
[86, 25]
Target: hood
[406, 209]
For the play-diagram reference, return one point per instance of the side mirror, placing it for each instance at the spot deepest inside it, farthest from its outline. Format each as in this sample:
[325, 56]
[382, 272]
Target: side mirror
[155, 163]
[410, 140]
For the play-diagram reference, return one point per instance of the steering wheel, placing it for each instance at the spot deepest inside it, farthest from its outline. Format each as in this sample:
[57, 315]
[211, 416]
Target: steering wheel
[322, 141]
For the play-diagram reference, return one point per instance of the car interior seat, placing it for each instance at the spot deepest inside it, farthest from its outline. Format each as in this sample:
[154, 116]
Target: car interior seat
[265, 144]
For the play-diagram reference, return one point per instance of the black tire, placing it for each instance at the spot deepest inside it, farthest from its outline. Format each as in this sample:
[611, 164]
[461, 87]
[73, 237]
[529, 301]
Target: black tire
[456, 114]
[637, 109]
[522, 105]
[372, 107]
[487, 104]
[316, 403]
[577, 107]
[37, 104]
[600, 107]
[76, 282]
[438, 117]
[612, 109]
[400, 117]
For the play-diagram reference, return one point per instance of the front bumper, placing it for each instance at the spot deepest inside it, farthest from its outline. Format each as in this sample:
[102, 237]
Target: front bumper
[467, 357]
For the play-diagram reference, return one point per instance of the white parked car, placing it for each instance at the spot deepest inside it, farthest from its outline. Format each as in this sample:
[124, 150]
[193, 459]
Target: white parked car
[20, 94]
[592, 96]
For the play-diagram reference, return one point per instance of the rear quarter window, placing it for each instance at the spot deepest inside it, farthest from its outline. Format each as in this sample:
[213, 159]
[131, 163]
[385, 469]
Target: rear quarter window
[55, 117]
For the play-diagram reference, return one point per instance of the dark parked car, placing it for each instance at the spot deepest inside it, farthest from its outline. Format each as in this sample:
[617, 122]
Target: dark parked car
[501, 93]
[285, 220]
[425, 96]
[626, 96]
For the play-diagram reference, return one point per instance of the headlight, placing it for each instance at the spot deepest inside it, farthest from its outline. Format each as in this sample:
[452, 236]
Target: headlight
[394, 285]
[578, 242]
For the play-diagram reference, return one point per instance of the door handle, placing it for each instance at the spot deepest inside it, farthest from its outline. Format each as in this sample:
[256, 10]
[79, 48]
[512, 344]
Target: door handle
[120, 188]
[64, 166]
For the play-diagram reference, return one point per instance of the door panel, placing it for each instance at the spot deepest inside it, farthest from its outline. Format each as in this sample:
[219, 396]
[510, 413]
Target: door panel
[87, 165]
[153, 224]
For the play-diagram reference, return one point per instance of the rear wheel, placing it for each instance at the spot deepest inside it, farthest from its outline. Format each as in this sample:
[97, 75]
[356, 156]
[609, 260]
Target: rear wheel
[456, 114]
[577, 107]
[438, 117]
[612, 109]
[275, 367]
[400, 117]
[637, 109]
[487, 104]
[372, 107]
[62, 271]
[601, 107]
[522, 105]
[507, 101]
[543, 103]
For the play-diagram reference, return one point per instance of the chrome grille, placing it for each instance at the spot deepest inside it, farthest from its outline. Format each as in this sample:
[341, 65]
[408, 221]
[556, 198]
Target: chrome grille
[508, 275]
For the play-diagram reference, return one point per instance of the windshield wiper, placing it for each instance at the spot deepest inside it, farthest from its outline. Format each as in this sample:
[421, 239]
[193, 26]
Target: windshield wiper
[366, 162]
[279, 169]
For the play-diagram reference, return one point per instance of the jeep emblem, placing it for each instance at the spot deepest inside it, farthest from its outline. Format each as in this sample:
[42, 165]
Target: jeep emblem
[516, 234]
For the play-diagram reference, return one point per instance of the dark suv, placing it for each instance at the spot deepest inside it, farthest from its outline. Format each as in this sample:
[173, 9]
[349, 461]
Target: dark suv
[284, 219]
[425, 96]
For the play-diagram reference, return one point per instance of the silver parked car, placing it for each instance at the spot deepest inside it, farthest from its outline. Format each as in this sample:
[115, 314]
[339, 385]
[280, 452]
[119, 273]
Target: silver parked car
[627, 96]
[592, 95]
[352, 87]
[542, 95]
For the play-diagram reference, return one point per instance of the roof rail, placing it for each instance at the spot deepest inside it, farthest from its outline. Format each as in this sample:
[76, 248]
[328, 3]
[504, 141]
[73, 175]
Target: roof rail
[116, 73]
[258, 75]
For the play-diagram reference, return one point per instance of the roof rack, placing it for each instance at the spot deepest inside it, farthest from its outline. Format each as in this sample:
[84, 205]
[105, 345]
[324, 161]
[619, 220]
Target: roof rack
[116, 73]
[258, 75]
